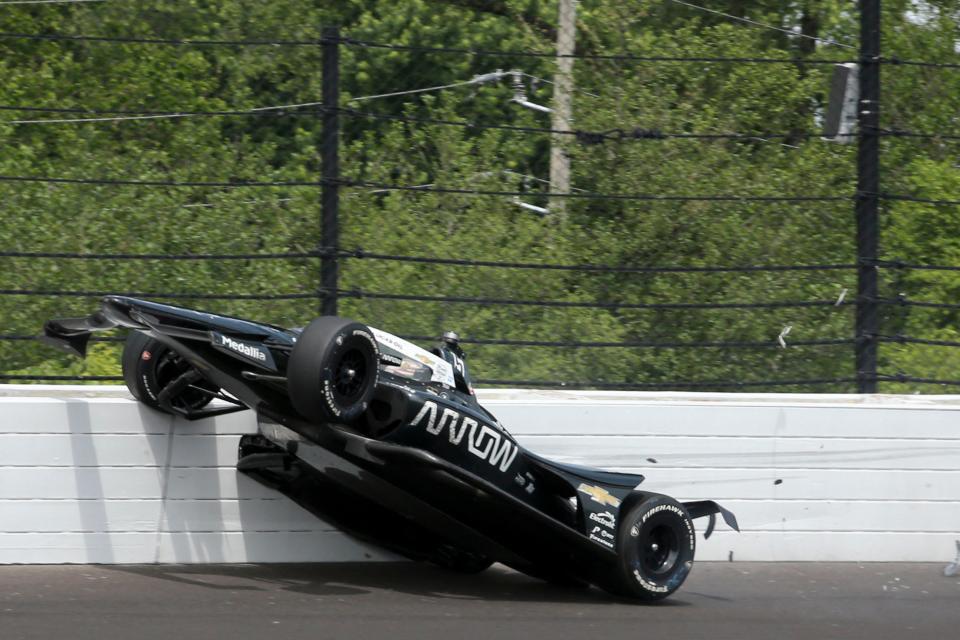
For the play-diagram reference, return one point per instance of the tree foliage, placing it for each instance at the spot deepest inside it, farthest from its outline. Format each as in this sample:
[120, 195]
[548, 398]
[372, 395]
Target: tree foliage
[677, 97]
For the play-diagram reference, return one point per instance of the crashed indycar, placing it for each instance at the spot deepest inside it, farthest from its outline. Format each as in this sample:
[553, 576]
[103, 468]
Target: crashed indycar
[386, 440]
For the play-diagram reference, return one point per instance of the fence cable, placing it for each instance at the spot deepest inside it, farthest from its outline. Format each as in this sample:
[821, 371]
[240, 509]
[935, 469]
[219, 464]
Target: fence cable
[44, 378]
[762, 25]
[366, 255]
[907, 198]
[21, 2]
[572, 344]
[895, 61]
[898, 264]
[160, 295]
[367, 44]
[707, 384]
[178, 42]
[584, 137]
[902, 300]
[236, 184]
[793, 304]
[902, 339]
[597, 196]
[707, 344]
[362, 254]
[109, 115]
[625, 57]
[905, 378]
[289, 255]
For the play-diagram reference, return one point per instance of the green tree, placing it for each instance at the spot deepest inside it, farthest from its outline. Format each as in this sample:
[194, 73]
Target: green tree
[612, 94]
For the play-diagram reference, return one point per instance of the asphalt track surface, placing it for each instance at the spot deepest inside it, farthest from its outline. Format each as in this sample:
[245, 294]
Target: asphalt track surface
[407, 600]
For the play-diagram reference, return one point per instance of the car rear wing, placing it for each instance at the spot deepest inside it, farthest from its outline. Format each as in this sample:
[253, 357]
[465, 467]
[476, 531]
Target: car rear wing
[159, 320]
[701, 508]
[73, 334]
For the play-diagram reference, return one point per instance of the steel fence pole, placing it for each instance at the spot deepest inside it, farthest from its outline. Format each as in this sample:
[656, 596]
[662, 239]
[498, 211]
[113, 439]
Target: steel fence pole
[868, 197]
[330, 171]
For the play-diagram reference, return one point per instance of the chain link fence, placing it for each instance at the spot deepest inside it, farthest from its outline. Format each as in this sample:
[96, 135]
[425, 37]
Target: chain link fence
[647, 211]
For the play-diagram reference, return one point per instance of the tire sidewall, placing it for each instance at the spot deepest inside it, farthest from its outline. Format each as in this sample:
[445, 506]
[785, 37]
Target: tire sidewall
[132, 349]
[313, 366]
[635, 532]
[141, 356]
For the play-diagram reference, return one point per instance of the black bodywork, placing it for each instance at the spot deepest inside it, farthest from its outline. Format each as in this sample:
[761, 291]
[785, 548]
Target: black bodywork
[427, 473]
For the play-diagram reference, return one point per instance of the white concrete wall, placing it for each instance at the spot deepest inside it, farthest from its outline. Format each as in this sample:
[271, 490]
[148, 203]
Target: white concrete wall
[88, 475]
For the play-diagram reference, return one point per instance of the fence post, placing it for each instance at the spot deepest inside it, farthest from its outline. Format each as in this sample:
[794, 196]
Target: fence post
[330, 171]
[868, 197]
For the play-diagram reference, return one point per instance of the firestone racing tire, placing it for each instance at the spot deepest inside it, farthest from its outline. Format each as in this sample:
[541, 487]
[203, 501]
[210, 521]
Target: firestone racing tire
[656, 544]
[333, 370]
[149, 366]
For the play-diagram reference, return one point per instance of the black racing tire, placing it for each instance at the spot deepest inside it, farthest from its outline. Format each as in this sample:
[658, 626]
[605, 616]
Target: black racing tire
[333, 370]
[656, 543]
[149, 366]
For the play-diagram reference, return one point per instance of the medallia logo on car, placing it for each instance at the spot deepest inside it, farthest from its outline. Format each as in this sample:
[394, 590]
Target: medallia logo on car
[245, 349]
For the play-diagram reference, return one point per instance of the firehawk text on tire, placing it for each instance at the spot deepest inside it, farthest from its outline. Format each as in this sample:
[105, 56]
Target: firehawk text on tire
[656, 543]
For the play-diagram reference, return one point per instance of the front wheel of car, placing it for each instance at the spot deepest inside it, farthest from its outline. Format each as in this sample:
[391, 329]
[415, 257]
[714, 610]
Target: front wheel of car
[655, 544]
[333, 370]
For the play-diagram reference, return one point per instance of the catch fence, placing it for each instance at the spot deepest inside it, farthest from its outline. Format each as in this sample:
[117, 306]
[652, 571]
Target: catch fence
[433, 214]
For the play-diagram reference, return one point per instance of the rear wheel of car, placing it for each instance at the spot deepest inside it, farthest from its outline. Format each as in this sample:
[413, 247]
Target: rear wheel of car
[149, 366]
[656, 544]
[333, 370]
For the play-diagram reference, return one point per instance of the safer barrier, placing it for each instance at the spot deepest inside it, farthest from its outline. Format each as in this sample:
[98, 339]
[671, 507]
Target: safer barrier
[89, 476]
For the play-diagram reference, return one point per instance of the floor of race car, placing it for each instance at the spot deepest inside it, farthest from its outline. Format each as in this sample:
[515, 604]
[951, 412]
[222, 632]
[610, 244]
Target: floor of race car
[416, 601]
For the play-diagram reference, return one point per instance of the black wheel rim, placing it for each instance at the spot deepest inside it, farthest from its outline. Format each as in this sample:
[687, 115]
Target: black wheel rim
[660, 550]
[350, 376]
[171, 366]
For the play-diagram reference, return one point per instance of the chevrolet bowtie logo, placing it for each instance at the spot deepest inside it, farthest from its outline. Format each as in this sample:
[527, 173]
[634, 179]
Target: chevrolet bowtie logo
[599, 494]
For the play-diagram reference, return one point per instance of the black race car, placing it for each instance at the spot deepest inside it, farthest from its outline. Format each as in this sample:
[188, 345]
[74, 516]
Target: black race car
[387, 441]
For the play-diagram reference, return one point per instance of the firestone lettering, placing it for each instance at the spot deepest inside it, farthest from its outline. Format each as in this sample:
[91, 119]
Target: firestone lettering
[605, 543]
[331, 399]
[649, 585]
[482, 440]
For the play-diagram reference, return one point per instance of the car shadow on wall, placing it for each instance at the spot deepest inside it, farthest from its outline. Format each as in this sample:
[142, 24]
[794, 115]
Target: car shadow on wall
[84, 454]
[191, 528]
